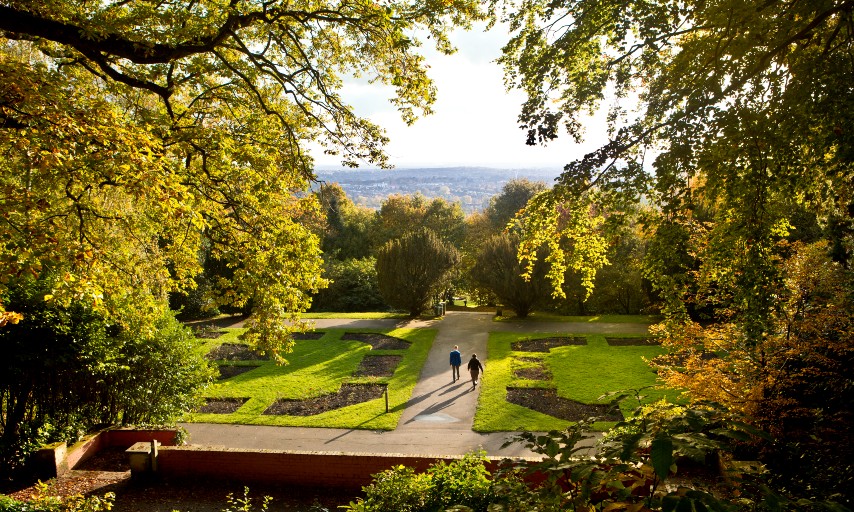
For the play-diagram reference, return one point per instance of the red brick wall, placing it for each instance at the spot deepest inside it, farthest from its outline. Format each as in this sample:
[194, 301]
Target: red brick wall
[124, 438]
[54, 461]
[343, 470]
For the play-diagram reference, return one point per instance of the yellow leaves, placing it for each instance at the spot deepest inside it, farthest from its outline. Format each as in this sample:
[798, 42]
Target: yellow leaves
[569, 229]
[9, 317]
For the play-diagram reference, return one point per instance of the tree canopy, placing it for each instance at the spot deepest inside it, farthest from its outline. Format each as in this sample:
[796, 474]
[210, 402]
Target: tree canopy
[746, 106]
[402, 214]
[746, 109]
[134, 131]
[497, 269]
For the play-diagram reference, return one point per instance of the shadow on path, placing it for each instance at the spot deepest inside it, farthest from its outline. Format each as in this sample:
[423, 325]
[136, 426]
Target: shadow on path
[437, 407]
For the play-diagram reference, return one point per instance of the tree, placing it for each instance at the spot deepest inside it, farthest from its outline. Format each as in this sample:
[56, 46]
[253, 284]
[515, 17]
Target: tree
[132, 132]
[619, 286]
[481, 226]
[412, 270]
[346, 233]
[799, 389]
[513, 197]
[752, 120]
[748, 108]
[498, 269]
[68, 369]
[401, 214]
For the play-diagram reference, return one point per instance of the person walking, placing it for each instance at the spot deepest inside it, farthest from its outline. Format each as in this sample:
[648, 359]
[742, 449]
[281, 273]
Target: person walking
[475, 369]
[456, 362]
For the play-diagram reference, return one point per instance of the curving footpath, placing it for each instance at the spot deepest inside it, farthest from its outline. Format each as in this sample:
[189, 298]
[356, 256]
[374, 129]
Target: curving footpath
[438, 417]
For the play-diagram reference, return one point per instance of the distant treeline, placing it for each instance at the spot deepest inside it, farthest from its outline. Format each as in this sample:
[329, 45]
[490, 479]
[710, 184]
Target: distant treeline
[472, 187]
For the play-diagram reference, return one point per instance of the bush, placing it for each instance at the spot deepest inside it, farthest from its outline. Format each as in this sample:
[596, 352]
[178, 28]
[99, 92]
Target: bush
[353, 287]
[462, 483]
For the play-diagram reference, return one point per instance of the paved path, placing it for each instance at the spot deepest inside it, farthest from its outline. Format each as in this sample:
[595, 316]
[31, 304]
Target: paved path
[437, 419]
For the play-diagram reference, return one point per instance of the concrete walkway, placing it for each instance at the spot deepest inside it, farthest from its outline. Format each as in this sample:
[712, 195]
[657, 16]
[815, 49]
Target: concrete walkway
[437, 419]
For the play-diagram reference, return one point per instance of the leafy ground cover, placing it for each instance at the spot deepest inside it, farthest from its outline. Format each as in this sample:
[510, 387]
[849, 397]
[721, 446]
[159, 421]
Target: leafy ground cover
[581, 373]
[318, 368]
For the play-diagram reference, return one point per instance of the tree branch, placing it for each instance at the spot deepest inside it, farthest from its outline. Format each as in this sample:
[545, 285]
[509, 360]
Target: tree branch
[17, 23]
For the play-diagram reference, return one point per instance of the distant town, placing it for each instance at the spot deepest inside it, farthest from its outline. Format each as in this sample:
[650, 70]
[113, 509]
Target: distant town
[470, 186]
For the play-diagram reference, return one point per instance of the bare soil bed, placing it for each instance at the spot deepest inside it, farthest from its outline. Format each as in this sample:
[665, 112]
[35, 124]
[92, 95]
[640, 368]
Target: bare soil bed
[632, 342]
[349, 394]
[190, 496]
[313, 335]
[227, 371]
[546, 401]
[536, 372]
[546, 344]
[377, 341]
[235, 352]
[107, 459]
[378, 366]
[222, 405]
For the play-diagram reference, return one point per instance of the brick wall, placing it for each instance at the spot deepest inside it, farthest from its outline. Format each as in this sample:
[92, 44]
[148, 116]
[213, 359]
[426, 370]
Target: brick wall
[341, 470]
[56, 459]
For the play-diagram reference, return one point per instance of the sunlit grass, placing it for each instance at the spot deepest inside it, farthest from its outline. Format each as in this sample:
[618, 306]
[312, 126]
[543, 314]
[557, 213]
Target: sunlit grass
[364, 315]
[581, 373]
[318, 367]
[614, 319]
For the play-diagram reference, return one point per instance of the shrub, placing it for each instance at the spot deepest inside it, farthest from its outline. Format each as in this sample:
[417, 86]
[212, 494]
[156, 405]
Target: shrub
[353, 287]
[462, 483]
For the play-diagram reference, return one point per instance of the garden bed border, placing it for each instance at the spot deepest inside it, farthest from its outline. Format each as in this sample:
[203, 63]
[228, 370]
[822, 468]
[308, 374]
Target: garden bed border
[56, 459]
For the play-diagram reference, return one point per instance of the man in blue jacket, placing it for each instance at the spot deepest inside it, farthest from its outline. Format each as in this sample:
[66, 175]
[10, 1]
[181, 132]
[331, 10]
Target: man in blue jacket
[456, 362]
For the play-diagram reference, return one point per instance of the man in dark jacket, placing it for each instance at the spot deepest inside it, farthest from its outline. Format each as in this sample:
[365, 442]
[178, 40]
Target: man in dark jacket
[475, 369]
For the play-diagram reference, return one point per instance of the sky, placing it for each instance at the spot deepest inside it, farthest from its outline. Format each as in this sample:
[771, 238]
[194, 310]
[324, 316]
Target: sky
[474, 123]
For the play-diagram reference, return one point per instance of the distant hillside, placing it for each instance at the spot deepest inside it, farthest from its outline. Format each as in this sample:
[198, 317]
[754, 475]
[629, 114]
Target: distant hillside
[470, 186]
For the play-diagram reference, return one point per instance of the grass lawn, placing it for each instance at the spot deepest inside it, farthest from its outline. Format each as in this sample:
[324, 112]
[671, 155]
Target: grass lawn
[360, 316]
[318, 367]
[614, 319]
[581, 373]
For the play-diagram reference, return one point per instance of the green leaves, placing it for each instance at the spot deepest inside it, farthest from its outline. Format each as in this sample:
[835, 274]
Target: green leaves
[137, 136]
[661, 455]
[569, 226]
[413, 269]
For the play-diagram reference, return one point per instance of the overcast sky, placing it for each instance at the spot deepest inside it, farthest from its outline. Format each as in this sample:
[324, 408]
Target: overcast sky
[475, 119]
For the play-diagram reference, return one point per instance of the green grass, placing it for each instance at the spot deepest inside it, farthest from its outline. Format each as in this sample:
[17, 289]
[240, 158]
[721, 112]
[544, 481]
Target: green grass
[362, 316]
[318, 367]
[580, 373]
[614, 319]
